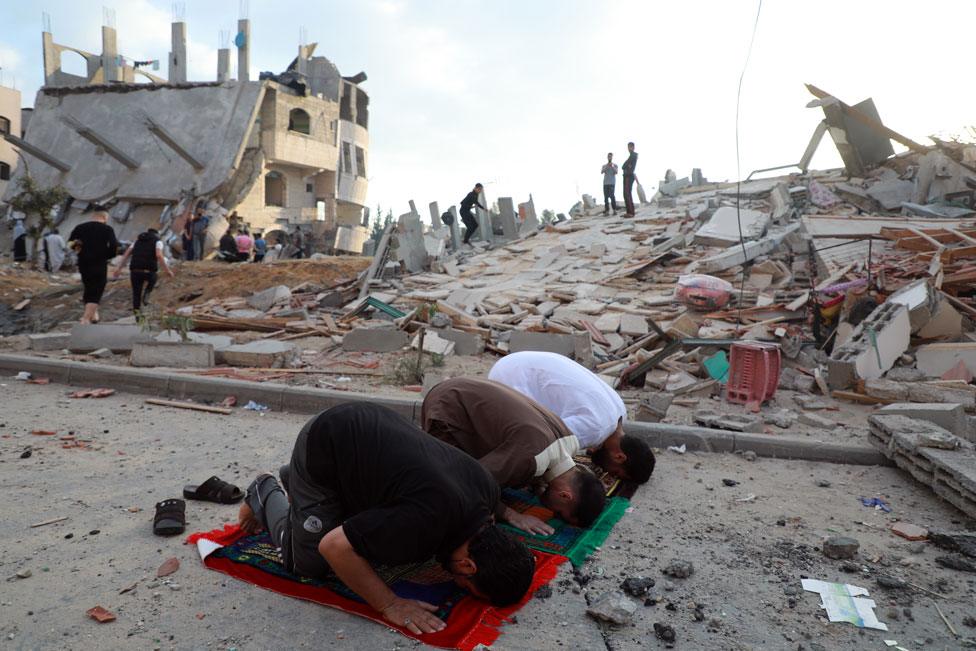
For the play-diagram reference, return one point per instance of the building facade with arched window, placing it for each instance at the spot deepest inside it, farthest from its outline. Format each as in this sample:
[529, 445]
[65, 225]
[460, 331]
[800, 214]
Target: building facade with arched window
[270, 149]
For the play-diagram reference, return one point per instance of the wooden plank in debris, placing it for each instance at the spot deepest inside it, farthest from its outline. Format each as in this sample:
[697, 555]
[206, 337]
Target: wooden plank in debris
[189, 405]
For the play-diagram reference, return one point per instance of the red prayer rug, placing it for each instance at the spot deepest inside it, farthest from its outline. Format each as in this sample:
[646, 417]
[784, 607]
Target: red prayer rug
[470, 621]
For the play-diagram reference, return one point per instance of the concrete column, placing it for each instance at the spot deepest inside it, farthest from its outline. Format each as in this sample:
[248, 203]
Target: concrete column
[485, 231]
[177, 56]
[223, 64]
[506, 208]
[455, 229]
[413, 208]
[243, 41]
[52, 61]
[435, 214]
[110, 55]
[527, 212]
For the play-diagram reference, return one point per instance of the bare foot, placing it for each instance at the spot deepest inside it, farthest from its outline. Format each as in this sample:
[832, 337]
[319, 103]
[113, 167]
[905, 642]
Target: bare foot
[247, 521]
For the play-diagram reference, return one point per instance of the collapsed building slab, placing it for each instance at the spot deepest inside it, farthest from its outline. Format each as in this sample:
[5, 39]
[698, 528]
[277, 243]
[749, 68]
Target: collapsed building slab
[722, 228]
[873, 347]
[936, 359]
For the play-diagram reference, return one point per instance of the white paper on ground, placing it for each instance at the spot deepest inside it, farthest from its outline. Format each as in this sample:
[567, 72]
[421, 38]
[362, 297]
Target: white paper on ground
[844, 603]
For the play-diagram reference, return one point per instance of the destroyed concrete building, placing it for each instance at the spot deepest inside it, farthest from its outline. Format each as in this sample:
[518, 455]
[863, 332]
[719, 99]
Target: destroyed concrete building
[285, 150]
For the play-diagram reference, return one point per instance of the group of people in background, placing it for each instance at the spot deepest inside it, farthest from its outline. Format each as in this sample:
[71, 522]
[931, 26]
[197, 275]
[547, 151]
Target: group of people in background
[609, 171]
[237, 245]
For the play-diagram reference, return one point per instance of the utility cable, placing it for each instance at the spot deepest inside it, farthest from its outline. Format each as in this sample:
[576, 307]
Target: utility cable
[738, 171]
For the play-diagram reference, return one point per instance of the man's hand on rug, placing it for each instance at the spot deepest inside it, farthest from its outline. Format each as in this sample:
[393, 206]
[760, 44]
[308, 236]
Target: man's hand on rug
[528, 523]
[246, 520]
[416, 616]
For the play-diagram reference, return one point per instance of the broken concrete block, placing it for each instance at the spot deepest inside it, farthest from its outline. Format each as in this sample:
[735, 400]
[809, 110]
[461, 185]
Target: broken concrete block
[734, 256]
[926, 392]
[264, 299]
[722, 229]
[633, 325]
[653, 407]
[904, 374]
[172, 355]
[101, 353]
[86, 337]
[583, 349]
[543, 341]
[874, 347]
[733, 422]
[840, 547]
[782, 418]
[609, 322]
[434, 344]
[920, 299]
[49, 341]
[546, 308]
[375, 340]
[950, 417]
[891, 194]
[614, 608]
[219, 342]
[465, 343]
[936, 359]
[887, 390]
[264, 353]
[816, 420]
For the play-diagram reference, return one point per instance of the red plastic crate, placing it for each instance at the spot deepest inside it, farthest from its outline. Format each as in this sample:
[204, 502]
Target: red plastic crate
[753, 373]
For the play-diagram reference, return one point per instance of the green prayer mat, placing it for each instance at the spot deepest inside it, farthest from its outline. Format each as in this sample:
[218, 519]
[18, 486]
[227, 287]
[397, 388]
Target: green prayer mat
[574, 543]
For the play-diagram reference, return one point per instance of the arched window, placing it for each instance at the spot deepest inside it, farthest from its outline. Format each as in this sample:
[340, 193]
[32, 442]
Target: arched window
[4, 172]
[274, 189]
[73, 63]
[4, 125]
[298, 120]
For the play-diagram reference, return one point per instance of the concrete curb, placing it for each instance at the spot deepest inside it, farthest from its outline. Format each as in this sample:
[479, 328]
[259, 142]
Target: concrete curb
[306, 400]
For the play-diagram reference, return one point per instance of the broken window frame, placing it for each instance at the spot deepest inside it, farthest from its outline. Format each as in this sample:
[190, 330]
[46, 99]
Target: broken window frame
[4, 171]
[299, 118]
[4, 125]
[272, 176]
[346, 157]
[360, 162]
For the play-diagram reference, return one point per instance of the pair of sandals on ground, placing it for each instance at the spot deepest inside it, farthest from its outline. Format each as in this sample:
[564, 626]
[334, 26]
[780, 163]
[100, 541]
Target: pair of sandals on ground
[170, 517]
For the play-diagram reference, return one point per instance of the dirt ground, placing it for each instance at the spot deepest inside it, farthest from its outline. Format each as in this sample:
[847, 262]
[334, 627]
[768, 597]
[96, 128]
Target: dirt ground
[748, 555]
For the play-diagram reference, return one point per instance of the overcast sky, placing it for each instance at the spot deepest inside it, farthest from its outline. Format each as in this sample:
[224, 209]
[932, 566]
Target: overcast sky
[529, 95]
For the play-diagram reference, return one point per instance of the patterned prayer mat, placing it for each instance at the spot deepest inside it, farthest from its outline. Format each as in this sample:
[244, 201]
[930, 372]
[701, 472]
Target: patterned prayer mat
[470, 621]
[574, 543]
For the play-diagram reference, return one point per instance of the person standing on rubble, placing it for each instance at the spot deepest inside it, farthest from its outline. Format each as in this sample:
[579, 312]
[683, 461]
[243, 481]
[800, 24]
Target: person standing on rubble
[260, 247]
[96, 245]
[470, 200]
[54, 250]
[609, 171]
[298, 241]
[201, 222]
[20, 241]
[630, 177]
[145, 255]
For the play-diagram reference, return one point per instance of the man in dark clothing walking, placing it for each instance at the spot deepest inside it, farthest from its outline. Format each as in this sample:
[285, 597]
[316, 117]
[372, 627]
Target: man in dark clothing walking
[366, 486]
[145, 256]
[470, 222]
[630, 165]
[96, 245]
[609, 172]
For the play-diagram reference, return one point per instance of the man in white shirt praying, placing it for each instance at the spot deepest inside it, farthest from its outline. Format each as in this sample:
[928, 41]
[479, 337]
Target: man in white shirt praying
[590, 408]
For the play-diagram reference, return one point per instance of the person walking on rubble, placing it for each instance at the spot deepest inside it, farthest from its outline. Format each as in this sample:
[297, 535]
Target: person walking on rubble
[96, 245]
[609, 171]
[145, 255]
[470, 200]
[630, 177]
